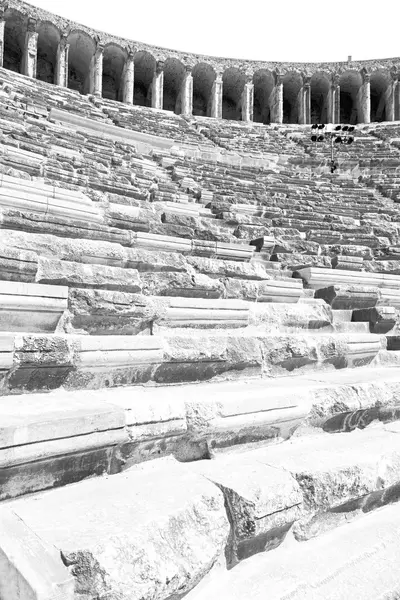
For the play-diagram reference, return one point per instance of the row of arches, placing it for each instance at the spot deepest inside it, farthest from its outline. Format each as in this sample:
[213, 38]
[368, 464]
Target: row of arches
[288, 98]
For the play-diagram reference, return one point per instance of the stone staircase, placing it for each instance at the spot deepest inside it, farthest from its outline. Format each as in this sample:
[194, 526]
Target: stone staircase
[198, 378]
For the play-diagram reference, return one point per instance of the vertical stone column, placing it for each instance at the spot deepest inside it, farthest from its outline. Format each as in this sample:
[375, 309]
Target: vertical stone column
[334, 101]
[2, 28]
[390, 94]
[397, 98]
[187, 92]
[364, 99]
[248, 100]
[276, 106]
[61, 75]
[96, 72]
[307, 101]
[129, 80]
[29, 60]
[216, 101]
[157, 86]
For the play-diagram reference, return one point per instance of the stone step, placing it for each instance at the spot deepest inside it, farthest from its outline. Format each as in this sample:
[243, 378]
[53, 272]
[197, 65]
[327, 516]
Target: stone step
[31, 307]
[318, 278]
[177, 521]
[48, 440]
[341, 315]
[352, 327]
[356, 561]
[338, 477]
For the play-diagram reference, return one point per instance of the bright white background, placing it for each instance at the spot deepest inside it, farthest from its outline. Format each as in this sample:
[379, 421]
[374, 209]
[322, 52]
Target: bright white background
[276, 30]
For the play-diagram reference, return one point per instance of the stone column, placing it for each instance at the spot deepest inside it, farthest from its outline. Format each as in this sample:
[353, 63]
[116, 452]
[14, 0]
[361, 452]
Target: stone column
[216, 101]
[61, 75]
[96, 72]
[304, 103]
[187, 93]
[390, 94]
[397, 99]
[2, 27]
[129, 80]
[157, 86]
[248, 101]
[276, 106]
[29, 60]
[364, 100]
[334, 101]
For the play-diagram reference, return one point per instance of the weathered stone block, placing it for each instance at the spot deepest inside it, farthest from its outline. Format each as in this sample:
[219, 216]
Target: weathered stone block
[381, 319]
[343, 297]
[147, 558]
[87, 276]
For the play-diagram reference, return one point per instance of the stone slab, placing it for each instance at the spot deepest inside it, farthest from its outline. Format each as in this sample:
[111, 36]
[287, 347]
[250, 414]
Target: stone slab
[165, 529]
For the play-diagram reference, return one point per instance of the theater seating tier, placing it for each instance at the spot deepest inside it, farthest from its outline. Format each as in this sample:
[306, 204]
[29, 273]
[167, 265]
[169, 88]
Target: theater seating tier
[203, 336]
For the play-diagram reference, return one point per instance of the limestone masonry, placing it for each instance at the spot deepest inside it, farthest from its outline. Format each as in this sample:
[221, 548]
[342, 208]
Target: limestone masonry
[199, 323]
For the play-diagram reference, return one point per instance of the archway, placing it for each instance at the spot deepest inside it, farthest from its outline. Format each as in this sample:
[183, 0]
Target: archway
[114, 59]
[380, 87]
[233, 83]
[350, 83]
[264, 84]
[174, 73]
[145, 65]
[48, 41]
[14, 41]
[81, 50]
[203, 79]
[319, 97]
[292, 84]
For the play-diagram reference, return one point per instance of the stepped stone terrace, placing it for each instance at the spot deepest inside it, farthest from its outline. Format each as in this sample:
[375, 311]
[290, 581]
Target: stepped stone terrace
[199, 324]
[51, 49]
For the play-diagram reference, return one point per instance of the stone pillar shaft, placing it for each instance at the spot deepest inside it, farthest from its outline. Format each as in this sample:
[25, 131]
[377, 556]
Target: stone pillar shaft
[248, 102]
[158, 87]
[304, 104]
[390, 101]
[217, 91]
[334, 104]
[397, 101]
[61, 76]
[129, 81]
[96, 73]
[29, 61]
[2, 27]
[276, 108]
[364, 101]
[187, 94]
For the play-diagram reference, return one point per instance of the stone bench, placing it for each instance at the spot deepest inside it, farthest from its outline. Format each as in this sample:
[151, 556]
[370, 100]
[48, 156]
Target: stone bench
[31, 307]
[278, 290]
[203, 313]
[317, 278]
[42, 198]
[44, 440]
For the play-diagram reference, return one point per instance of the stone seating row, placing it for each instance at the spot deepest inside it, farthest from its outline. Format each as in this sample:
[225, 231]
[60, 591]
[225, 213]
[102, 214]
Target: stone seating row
[45, 438]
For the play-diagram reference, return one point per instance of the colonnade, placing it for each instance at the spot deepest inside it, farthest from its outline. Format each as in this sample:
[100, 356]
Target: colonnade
[77, 60]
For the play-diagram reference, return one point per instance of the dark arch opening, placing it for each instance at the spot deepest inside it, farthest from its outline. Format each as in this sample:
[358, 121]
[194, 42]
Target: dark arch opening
[14, 41]
[380, 96]
[264, 84]
[292, 84]
[350, 83]
[203, 80]
[174, 73]
[145, 65]
[233, 83]
[114, 59]
[319, 97]
[81, 51]
[48, 41]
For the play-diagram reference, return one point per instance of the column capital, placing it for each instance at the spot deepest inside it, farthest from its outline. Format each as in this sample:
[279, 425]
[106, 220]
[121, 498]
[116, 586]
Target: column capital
[99, 49]
[31, 25]
[278, 79]
[160, 66]
[366, 77]
[188, 69]
[335, 79]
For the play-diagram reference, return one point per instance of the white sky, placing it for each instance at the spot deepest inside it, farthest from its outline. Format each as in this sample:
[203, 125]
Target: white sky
[276, 30]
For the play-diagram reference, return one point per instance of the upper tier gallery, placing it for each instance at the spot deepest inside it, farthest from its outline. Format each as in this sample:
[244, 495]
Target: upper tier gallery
[52, 49]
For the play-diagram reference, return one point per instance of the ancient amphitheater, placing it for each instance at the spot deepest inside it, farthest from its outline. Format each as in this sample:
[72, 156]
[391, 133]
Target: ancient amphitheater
[200, 344]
